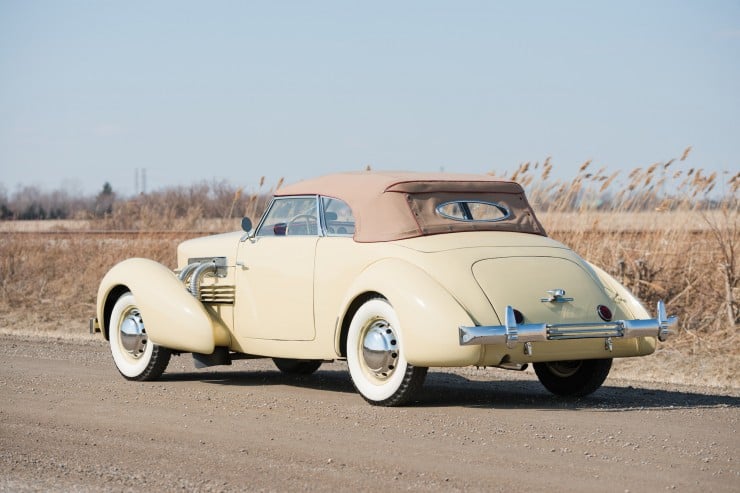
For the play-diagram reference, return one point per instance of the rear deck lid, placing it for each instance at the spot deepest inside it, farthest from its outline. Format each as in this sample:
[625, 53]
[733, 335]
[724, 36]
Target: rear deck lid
[524, 282]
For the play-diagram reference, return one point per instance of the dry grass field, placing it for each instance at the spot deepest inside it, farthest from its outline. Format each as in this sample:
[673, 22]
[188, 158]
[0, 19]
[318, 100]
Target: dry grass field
[48, 275]
[680, 247]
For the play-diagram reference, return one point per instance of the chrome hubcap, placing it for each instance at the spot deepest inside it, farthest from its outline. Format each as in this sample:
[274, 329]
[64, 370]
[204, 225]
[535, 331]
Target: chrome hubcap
[380, 349]
[564, 368]
[133, 334]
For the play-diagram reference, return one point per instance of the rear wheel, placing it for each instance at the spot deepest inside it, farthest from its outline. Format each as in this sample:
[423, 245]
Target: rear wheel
[573, 378]
[297, 366]
[136, 357]
[378, 368]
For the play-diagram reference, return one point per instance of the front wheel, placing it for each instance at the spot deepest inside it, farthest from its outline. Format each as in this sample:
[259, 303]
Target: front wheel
[573, 378]
[136, 357]
[378, 368]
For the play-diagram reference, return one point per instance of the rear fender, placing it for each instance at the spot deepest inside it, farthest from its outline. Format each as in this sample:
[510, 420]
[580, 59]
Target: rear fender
[172, 316]
[632, 308]
[626, 299]
[429, 314]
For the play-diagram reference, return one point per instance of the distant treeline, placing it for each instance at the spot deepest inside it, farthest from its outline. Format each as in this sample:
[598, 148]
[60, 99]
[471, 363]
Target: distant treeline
[31, 202]
[670, 185]
[205, 199]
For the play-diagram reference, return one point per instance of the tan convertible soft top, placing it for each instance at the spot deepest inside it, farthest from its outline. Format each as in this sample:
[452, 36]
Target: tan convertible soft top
[396, 205]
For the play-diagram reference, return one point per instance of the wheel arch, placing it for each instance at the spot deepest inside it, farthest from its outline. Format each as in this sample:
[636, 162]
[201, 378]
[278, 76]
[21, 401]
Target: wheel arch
[354, 305]
[429, 313]
[110, 300]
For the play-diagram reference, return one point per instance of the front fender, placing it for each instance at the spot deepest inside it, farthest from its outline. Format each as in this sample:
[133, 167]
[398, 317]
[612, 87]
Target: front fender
[429, 314]
[173, 317]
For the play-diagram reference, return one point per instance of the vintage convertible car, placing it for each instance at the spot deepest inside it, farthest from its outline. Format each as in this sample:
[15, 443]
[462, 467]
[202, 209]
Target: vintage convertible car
[392, 272]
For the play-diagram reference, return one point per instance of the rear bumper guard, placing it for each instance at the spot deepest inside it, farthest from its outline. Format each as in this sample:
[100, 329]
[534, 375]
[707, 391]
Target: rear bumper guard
[510, 333]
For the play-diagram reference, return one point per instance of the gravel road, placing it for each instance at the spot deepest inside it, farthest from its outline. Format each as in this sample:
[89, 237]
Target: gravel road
[69, 422]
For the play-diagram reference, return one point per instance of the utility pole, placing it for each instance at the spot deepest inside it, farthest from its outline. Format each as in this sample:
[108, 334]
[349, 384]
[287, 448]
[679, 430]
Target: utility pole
[140, 181]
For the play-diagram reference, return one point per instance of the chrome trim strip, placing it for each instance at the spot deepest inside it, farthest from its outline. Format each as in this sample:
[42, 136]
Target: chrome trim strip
[218, 295]
[320, 226]
[510, 333]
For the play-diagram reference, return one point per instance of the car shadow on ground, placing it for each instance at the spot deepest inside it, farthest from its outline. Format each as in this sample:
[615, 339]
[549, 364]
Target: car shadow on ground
[329, 380]
[449, 390]
[442, 390]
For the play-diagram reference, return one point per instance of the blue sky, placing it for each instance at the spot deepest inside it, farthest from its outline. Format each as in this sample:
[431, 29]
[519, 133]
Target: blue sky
[191, 91]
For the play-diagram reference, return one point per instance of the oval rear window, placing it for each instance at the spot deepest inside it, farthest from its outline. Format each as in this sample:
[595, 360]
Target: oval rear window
[473, 211]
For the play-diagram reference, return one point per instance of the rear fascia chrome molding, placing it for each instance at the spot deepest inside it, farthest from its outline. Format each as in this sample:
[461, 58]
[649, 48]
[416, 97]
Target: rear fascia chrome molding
[510, 333]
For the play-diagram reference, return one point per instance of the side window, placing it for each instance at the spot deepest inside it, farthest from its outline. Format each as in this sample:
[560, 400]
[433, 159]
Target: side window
[290, 216]
[338, 218]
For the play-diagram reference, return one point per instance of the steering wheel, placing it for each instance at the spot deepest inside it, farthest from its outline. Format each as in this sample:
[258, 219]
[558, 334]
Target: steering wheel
[307, 218]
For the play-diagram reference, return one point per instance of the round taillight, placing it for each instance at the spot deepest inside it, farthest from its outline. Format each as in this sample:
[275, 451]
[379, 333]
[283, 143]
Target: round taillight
[518, 316]
[604, 312]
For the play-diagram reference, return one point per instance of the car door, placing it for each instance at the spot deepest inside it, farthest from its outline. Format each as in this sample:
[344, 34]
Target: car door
[275, 273]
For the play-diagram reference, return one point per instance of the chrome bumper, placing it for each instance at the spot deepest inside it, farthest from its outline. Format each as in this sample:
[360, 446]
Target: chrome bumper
[510, 333]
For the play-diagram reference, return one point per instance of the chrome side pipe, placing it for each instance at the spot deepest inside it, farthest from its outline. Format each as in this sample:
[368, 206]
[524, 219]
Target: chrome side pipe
[198, 275]
[512, 333]
[187, 270]
[192, 274]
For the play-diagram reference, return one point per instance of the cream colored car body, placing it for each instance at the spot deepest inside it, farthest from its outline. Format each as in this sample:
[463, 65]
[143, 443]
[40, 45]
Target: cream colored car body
[290, 289]
[427, 280]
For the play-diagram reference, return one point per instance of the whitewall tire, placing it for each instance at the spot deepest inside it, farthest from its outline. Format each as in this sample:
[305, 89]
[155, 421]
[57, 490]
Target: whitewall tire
[375, 358]
[135, 356]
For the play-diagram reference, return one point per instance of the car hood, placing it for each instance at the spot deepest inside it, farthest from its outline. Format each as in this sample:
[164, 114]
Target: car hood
[221, 245]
